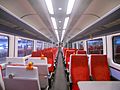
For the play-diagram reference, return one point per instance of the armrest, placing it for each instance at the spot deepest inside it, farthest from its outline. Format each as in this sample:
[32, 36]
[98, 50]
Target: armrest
[67, 74]
[49, 79]
[68, 71]
[70, 82]
[49, 76]
[65, 62]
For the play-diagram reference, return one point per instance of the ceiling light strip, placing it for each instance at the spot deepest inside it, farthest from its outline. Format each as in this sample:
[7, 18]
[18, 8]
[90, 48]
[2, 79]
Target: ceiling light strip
[49, 6]
[70, 6]
[63, 32]
[66, 22]
[56, 32]
[54, 22]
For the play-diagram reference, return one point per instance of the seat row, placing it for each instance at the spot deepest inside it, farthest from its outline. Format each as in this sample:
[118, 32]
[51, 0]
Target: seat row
[19, 78]
[77, 51]
[16, 66]
[50, 53]
[79, 70]
[67, 52]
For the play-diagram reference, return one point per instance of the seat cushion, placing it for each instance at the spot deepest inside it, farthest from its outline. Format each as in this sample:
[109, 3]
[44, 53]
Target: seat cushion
[80, 74]
[75, 87]
[101, 75]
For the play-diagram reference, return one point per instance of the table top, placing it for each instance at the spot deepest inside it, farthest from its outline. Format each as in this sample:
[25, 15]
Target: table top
[99, 85]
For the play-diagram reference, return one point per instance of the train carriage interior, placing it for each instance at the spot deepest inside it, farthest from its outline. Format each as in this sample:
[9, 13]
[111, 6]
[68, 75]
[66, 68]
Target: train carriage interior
[59, 44]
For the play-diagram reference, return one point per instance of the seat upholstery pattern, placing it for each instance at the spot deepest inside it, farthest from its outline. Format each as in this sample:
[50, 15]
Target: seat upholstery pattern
[99, 68]
[36, 54]
[75, 87]
[50, 59]
[67, 59]
[79, 69]
[81, 52]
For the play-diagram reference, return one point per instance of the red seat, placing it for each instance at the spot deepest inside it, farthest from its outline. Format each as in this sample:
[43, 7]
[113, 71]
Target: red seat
[50, 53]
[73, 49]
[36, 54]
[67, 58]
[64, 51]
[75, 87]
[79, 69]
[81, 52]
[99, 68]
[50, 60]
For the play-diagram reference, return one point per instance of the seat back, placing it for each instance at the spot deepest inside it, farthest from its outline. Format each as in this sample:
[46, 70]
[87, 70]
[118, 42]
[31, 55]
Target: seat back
[37, 60]
[99, 67]
[81, 52]
[21, 72]
[50, 60]
[15, 60]
[42, 70]
[21, 77]
[21, 84]
[43, 75]
[79, 69]
[36, 54]
[64, 51]
[67, 58]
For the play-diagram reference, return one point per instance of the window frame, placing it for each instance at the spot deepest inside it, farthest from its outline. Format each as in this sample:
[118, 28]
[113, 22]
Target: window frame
[88, 51]
[113, 53]
[79, 43]
[8, 44]
[25, 54]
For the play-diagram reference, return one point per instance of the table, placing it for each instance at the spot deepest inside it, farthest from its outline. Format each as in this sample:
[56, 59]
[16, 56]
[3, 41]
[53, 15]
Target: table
[99, 85]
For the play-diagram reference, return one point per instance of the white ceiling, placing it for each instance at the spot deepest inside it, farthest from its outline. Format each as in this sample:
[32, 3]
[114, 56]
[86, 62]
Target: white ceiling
[95, 10]
[35, 13]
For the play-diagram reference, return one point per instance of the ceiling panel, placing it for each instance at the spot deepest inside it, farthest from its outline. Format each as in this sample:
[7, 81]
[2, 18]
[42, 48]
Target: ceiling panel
[35, 13]
[18, 7]
[95, 10]
[24, 10]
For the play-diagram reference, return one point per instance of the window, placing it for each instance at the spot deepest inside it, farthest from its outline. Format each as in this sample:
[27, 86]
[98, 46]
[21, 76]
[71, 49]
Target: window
[25, 47]
[95, 46]
[80, 46]
[116, 49]
[45, 45]
[75, 45]
[39, 45]
[4, 41]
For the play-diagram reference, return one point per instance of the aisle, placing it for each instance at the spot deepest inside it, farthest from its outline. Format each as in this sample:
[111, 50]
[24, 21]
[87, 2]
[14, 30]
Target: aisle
[60, 79]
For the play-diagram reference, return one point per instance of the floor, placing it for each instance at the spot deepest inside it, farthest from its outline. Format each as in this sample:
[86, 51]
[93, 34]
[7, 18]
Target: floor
[60, 82]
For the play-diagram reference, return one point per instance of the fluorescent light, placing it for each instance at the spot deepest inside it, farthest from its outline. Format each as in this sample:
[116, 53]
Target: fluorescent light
[49, 6]
[59, 8]
[59, 21]
[66, 22]
[56, 32]
[70, 6]
[54, 22]
[63, 32]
